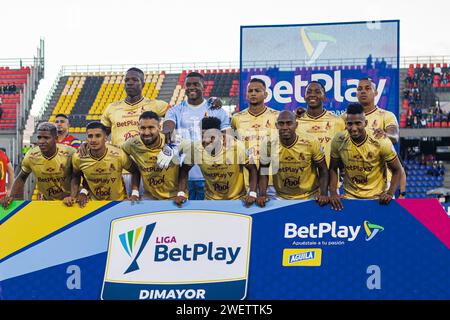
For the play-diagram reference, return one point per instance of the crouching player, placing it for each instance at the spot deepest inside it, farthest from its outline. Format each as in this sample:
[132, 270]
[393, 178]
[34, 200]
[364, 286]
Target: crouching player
[299, 167]
[101, 168]
[50, 163]
[222, 163]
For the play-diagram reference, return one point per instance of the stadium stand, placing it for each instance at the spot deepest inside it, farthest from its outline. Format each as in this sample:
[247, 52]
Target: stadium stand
[18, 80]
[85, 96]
[423, 83]
[422, 178]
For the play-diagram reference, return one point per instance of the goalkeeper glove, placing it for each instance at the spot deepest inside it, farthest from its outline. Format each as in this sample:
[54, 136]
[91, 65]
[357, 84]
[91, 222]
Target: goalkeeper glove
[166, 155]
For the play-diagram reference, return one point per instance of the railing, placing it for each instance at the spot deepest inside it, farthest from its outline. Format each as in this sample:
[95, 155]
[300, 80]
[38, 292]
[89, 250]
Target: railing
[49, 95]
[167, 67]
[16, 63]
[282, 64]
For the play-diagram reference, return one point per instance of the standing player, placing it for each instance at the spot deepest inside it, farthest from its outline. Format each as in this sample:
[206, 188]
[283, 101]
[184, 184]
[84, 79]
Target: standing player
[62, 127]
[221, 161]
[101, 168]
[300, 169]
[364, 157]
[159, 183]
[185, 118]
[121, 118]
[381, 122]
[51, 163]
[5, 168]
[317, 121]
[256, 122]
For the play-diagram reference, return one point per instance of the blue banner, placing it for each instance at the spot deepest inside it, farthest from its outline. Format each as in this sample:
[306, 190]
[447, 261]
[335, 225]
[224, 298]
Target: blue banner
[287, 57]
[298, 251]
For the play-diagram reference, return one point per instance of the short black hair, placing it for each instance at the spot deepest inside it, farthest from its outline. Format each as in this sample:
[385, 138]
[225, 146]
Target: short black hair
[49, 127]
[316, 82]
[62, 115]
[194, 75]
[355, 108]
[96, 125]
[3, 149]
[257, 80]
[374, 86]
[141, 73]
[149, 115]
[211, 123]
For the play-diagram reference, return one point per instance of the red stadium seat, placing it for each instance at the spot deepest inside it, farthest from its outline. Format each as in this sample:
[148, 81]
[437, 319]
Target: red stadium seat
[444, 124]
[437, 124]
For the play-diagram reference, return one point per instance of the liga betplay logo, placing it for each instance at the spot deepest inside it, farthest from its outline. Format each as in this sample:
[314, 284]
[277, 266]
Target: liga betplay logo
[371, 230]
[309, 38]
[173, 255]
[129, 240]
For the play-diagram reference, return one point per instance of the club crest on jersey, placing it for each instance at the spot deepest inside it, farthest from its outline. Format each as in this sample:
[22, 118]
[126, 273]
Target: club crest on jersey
[112, 168]
[328, 126]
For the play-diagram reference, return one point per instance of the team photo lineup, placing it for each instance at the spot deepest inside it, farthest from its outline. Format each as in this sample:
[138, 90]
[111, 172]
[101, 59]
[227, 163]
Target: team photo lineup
[144, 149]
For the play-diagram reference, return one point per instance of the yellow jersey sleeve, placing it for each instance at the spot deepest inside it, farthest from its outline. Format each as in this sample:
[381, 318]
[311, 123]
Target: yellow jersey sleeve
[26, 167]
[317, 151]
[335, 144]
[76, 162]
[340, 124]
[161, 107]
[234, 122]
[387, 150]
[126, 147]
[106, 119]
[125, 160]
[389, 120]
